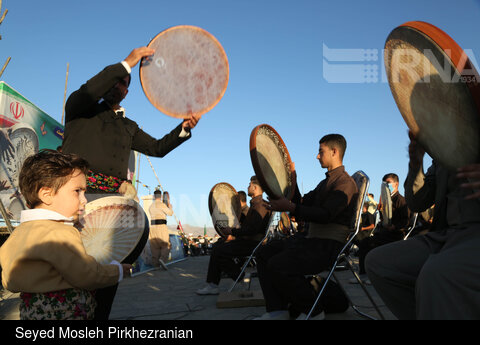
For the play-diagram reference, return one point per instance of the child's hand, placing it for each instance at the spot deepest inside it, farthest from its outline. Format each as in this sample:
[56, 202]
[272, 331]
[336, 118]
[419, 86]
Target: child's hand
[126, 270]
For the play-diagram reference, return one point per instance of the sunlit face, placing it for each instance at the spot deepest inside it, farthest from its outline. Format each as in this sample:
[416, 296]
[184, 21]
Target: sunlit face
[70, 199]
[325, 155]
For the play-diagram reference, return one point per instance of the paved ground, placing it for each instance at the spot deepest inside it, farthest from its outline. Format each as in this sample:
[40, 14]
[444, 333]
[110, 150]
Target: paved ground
[170, 295]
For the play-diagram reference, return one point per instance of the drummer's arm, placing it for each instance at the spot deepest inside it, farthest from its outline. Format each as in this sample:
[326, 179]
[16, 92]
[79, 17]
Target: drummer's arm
[146, 144]
[335, 203]
[167, 209]
[309, 211]
[369, 227]
[93, 90]
[285, 205]
[297, 196]
[419, 187]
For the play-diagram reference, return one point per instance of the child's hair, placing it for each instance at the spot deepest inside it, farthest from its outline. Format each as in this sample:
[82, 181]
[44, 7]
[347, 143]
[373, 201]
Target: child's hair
[47, 168]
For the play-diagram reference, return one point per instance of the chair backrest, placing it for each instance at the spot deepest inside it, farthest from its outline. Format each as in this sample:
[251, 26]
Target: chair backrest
[363, 183]
[272, 223]
[376, 215]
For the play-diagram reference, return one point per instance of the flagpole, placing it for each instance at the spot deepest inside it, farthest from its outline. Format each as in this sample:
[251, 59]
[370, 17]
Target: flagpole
[65, 92]
[137, 170]
[5, 66]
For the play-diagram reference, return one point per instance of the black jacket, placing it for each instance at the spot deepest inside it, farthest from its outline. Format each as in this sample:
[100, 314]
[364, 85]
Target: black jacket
[96, 133]
[256, 221]
[400, 213]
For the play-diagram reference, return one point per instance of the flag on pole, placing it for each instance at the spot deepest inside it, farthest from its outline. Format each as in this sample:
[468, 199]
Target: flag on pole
[25, 129]
[204, 230]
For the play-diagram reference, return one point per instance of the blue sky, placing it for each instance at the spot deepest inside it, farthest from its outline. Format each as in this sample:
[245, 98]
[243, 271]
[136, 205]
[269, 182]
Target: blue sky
[276, 51]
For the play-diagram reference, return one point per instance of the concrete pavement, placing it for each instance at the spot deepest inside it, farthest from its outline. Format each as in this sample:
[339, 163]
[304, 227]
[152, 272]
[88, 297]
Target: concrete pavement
[170, 295]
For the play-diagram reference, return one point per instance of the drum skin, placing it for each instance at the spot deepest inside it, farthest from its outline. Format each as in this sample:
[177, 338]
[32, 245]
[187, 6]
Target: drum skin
[272, 163]
[437, 91]
[188, 73]
[114, 228]
[225, 208]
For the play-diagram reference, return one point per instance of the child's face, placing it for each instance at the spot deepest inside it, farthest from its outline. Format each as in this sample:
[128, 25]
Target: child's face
[70, 200]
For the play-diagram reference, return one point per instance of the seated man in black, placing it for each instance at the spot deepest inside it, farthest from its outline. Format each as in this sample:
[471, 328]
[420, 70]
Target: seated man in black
[240, 243]
[243, 203]
[368, 223]
[435, 276]
[283, 265]
[386, 233]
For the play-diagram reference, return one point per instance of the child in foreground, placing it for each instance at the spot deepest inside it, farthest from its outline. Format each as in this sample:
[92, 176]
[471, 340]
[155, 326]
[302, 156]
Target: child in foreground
[44, 258]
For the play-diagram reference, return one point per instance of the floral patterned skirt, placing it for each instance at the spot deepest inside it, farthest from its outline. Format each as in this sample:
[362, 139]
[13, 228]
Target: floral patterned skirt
[105, 183]
[69, 304]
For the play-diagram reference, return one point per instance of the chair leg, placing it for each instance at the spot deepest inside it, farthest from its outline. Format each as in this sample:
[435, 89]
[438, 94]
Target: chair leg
[248, 279]
[330, 273]
[244, 267]
[354, 306]
[250, 258]
[364, 288]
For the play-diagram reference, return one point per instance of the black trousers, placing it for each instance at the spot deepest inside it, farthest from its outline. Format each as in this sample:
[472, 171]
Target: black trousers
[222, 258]
[105, 296]
[381, 238]
[282, 266]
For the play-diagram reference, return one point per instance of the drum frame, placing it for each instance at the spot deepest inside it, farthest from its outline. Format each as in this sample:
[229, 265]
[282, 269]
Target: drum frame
[210, 206]
[457, 55]
[258, 170]
[225, 58]
[460, 63]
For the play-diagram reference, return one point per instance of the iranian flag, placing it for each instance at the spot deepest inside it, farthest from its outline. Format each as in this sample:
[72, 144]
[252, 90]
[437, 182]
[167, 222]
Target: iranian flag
[24, 130]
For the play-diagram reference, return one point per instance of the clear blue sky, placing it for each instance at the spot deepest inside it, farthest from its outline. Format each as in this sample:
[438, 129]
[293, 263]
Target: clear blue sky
[277, 55]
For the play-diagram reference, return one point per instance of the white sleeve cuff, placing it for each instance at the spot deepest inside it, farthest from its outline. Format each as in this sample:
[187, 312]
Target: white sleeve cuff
[120, 269]
[184, 133]
[127, 67]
